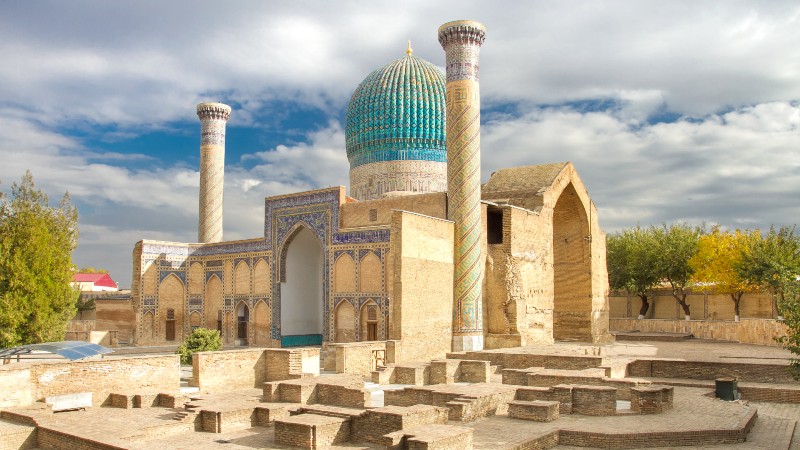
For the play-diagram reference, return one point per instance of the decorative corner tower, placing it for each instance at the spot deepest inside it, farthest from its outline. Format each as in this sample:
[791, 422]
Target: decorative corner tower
[462, 42]
[213, 117]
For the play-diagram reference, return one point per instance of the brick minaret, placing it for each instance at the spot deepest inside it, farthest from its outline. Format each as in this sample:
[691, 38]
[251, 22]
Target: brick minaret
[462, 42]
[213, 117]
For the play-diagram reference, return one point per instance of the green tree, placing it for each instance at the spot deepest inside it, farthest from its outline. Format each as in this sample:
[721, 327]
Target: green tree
[90, 269]
[714, 264]
[201, 340]
[790, 305]
[676, 244]
[772, 262]
[633, 263]
[36, 243]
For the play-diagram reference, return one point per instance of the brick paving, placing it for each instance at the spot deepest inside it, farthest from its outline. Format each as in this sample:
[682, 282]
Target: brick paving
[776, 427]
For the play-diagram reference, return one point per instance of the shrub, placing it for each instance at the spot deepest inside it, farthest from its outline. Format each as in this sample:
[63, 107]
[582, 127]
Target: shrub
[201, 340]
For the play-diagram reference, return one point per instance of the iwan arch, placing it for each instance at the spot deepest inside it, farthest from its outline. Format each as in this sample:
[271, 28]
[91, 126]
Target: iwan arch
[419, 254]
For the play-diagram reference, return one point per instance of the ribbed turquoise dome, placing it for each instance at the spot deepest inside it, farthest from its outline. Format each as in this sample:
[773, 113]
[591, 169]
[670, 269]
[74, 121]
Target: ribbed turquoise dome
[398, 113]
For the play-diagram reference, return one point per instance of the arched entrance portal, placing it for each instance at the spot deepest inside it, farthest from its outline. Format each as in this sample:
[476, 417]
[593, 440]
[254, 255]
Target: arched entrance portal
[242, 318]
[572, 300]
[301, 291]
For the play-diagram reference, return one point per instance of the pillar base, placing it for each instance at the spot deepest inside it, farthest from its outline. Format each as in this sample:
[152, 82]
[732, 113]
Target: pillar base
[467, 343]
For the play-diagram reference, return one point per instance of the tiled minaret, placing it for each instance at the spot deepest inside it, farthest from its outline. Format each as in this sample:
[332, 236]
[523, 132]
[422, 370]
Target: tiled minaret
[213, 117]
[462, 42]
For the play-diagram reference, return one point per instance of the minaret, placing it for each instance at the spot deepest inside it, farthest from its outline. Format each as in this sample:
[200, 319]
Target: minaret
[462, 42]
[213, 117]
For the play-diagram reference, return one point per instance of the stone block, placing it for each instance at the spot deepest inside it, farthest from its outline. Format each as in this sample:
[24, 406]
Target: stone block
[311, 431]
[536, 410]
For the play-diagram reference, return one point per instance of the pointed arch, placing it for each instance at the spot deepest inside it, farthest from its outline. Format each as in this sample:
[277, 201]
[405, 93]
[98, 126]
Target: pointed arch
[241, 278]
[370, 274]
[212, 304]
[171, 295]
[194, 320]
[345, 322]
[261, 277]
[301, 288]
[572, 284]
[344, 274]
[262, 321]
[369, 321]
[242, 324]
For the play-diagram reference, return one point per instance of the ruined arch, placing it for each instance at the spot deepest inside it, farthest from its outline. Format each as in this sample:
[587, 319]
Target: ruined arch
[572, 286]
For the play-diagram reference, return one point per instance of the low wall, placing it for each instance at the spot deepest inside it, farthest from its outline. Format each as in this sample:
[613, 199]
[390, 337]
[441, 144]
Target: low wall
[229, 369]
[355, 357]
[746, 331]
[251, 367]
[710, 370]
[25, 383]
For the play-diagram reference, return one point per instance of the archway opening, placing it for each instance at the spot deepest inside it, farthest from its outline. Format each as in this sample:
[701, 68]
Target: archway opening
[301, 291]
[242, 319]
[572, 288]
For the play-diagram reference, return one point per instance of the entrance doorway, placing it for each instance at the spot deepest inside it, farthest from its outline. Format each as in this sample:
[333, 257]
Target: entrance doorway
[170, 329]
[301, 291]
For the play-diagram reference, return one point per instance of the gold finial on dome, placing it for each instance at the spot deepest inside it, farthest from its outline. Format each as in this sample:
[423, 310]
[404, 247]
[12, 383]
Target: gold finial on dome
[409, 51]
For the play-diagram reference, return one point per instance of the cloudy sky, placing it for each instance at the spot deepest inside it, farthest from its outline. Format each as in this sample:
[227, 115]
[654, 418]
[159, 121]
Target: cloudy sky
[679, 110]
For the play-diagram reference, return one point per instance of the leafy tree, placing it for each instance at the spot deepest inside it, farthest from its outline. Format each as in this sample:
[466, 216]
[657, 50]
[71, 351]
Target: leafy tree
[772, 262]
[201, 340]
[677, 243]
[714, 264]
[633, 263]
[36, 243]
[84, 303]
[790, 305]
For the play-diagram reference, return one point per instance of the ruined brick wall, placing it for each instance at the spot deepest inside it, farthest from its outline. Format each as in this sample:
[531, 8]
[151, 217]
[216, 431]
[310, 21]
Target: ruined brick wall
[230, 369]
[101, 377]
[701, 370]
[15, 385]
[358, 214]
[422, 307]
[356, 357]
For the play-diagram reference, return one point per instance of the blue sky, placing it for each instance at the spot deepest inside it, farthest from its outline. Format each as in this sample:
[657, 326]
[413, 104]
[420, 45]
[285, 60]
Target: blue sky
[679, 110]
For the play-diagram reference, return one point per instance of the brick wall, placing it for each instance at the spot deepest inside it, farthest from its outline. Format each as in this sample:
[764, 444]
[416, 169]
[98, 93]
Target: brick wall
[104, 376]
[15, 385]
[746, 331]
[355, 357]
[229, 369]
[422, 307]
[703, 305]
[700, 370]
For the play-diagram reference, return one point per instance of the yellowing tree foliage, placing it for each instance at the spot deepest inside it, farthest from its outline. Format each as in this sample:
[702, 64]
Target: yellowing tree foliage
[36, 243]
[714, 264]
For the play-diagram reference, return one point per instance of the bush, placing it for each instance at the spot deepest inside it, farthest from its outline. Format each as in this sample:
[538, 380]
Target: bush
[201, 340]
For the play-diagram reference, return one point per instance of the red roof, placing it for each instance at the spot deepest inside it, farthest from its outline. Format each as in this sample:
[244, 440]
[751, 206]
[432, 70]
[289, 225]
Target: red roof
[99, 279]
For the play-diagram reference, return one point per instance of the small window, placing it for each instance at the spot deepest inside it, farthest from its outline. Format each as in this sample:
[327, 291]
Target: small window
[170, 314]
[373, 215]
[494, 227]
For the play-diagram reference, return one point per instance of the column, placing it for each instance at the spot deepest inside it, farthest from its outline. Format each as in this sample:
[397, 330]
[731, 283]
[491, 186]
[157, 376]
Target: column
[213, 117]
[462, 41]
